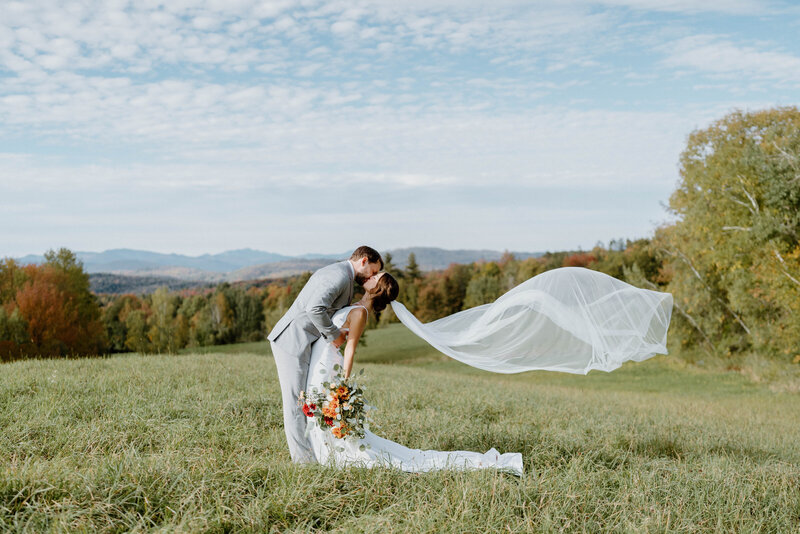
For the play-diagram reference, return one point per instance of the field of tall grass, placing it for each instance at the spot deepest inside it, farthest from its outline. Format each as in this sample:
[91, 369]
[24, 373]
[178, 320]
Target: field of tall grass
[194, 443]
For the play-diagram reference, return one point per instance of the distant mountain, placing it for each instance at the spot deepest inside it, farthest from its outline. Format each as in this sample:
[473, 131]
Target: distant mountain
[173, 270]
[343, 255]
[118, 260]
[278, 269]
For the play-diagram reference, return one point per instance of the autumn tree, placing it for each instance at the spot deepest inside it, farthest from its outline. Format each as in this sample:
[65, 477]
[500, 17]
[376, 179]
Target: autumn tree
[47, 308]
[430, 298]
[54, 304]
[580, 259]
[734, 252]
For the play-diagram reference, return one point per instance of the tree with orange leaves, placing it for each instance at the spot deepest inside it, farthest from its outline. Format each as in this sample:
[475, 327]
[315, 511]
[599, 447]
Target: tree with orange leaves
[60, 315]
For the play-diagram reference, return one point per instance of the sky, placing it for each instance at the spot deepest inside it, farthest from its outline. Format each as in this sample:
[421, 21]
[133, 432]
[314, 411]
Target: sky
[316, 126]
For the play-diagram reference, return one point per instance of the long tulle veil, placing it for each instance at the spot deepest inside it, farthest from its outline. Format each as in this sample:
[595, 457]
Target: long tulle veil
[570, 319]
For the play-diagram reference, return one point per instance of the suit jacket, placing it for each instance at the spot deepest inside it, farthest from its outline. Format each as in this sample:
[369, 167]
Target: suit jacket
[328, 290]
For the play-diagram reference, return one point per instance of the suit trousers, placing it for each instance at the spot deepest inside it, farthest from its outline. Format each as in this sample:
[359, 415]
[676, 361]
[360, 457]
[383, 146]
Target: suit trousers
[292, 374]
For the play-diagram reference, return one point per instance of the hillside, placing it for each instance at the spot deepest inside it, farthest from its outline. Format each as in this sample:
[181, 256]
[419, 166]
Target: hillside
[118, 283]
[139, 270]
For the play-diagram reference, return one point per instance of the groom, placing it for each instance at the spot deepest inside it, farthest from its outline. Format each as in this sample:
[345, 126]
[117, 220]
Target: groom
[309, 318]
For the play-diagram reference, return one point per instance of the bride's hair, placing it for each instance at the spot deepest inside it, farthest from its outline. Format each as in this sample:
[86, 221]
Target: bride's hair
[385, 291]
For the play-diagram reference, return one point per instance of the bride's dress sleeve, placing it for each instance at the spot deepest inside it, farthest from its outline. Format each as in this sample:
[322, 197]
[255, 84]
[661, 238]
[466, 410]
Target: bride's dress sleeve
[570, 319]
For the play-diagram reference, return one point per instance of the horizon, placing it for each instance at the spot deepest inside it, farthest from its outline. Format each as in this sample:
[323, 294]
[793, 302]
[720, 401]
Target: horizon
[294, 126]
[250, 249]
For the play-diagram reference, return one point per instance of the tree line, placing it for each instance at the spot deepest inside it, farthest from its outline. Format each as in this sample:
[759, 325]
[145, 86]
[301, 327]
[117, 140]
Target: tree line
[731, 260]
[47, 310]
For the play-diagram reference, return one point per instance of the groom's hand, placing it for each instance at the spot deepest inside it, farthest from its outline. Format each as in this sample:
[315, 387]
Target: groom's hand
[339, 340]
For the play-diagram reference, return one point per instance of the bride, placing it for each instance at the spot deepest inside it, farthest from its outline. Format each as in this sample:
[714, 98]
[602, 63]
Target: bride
[570, 320]
[373, 450]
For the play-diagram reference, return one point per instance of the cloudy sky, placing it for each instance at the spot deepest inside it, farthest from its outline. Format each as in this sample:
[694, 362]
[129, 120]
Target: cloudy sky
[315, 126]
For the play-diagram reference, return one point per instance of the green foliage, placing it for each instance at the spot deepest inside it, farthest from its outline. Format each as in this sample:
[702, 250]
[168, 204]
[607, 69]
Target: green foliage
[136, 327]
[167, 333]
[455, 281]
[733, 257]
[13, 334]
[485, 287]
[166, 321]
[115, 314]
[412, 271]
[248, 311]
[12, 278]
[391, 268]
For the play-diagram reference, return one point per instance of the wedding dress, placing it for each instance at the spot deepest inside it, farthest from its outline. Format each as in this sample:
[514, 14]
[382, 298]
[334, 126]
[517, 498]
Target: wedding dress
[373, 450]
[571, 320]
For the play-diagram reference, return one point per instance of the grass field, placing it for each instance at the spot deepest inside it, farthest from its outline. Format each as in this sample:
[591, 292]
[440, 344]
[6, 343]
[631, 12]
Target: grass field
[194, 442]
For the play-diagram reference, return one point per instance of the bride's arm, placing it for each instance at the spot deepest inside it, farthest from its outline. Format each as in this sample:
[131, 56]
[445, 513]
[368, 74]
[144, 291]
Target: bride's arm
[357, 318]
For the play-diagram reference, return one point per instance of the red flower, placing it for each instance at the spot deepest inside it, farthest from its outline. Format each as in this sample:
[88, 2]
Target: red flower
[329, 421]
[308, 409]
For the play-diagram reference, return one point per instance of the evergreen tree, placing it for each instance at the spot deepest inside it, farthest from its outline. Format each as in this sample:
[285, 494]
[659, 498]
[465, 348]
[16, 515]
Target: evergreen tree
[390, 267]
[412, 271]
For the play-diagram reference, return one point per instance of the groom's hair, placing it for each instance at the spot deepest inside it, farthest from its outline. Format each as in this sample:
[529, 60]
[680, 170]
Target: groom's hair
[370, 253]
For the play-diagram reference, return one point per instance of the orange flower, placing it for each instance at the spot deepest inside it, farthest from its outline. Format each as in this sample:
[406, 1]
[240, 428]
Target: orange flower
[343, 393]
[337, 432]
[330, 409]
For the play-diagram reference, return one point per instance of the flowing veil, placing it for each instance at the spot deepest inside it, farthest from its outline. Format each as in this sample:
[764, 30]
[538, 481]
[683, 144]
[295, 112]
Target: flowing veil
[570, 319]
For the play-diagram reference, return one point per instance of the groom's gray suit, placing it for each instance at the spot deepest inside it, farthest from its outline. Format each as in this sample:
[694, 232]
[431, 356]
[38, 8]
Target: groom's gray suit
[329, 289]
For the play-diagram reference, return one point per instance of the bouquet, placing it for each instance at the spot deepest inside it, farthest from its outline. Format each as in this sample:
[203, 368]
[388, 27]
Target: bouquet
[340, 407]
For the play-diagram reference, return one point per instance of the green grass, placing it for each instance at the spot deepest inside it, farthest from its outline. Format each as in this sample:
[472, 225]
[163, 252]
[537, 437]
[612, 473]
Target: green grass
[194, 442]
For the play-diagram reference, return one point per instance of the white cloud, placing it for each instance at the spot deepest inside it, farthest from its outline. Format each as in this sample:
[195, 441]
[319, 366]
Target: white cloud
[139, 37]
[718, 56]
[733, 7]
[235, 99]
[247, 131]
[345, 28]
